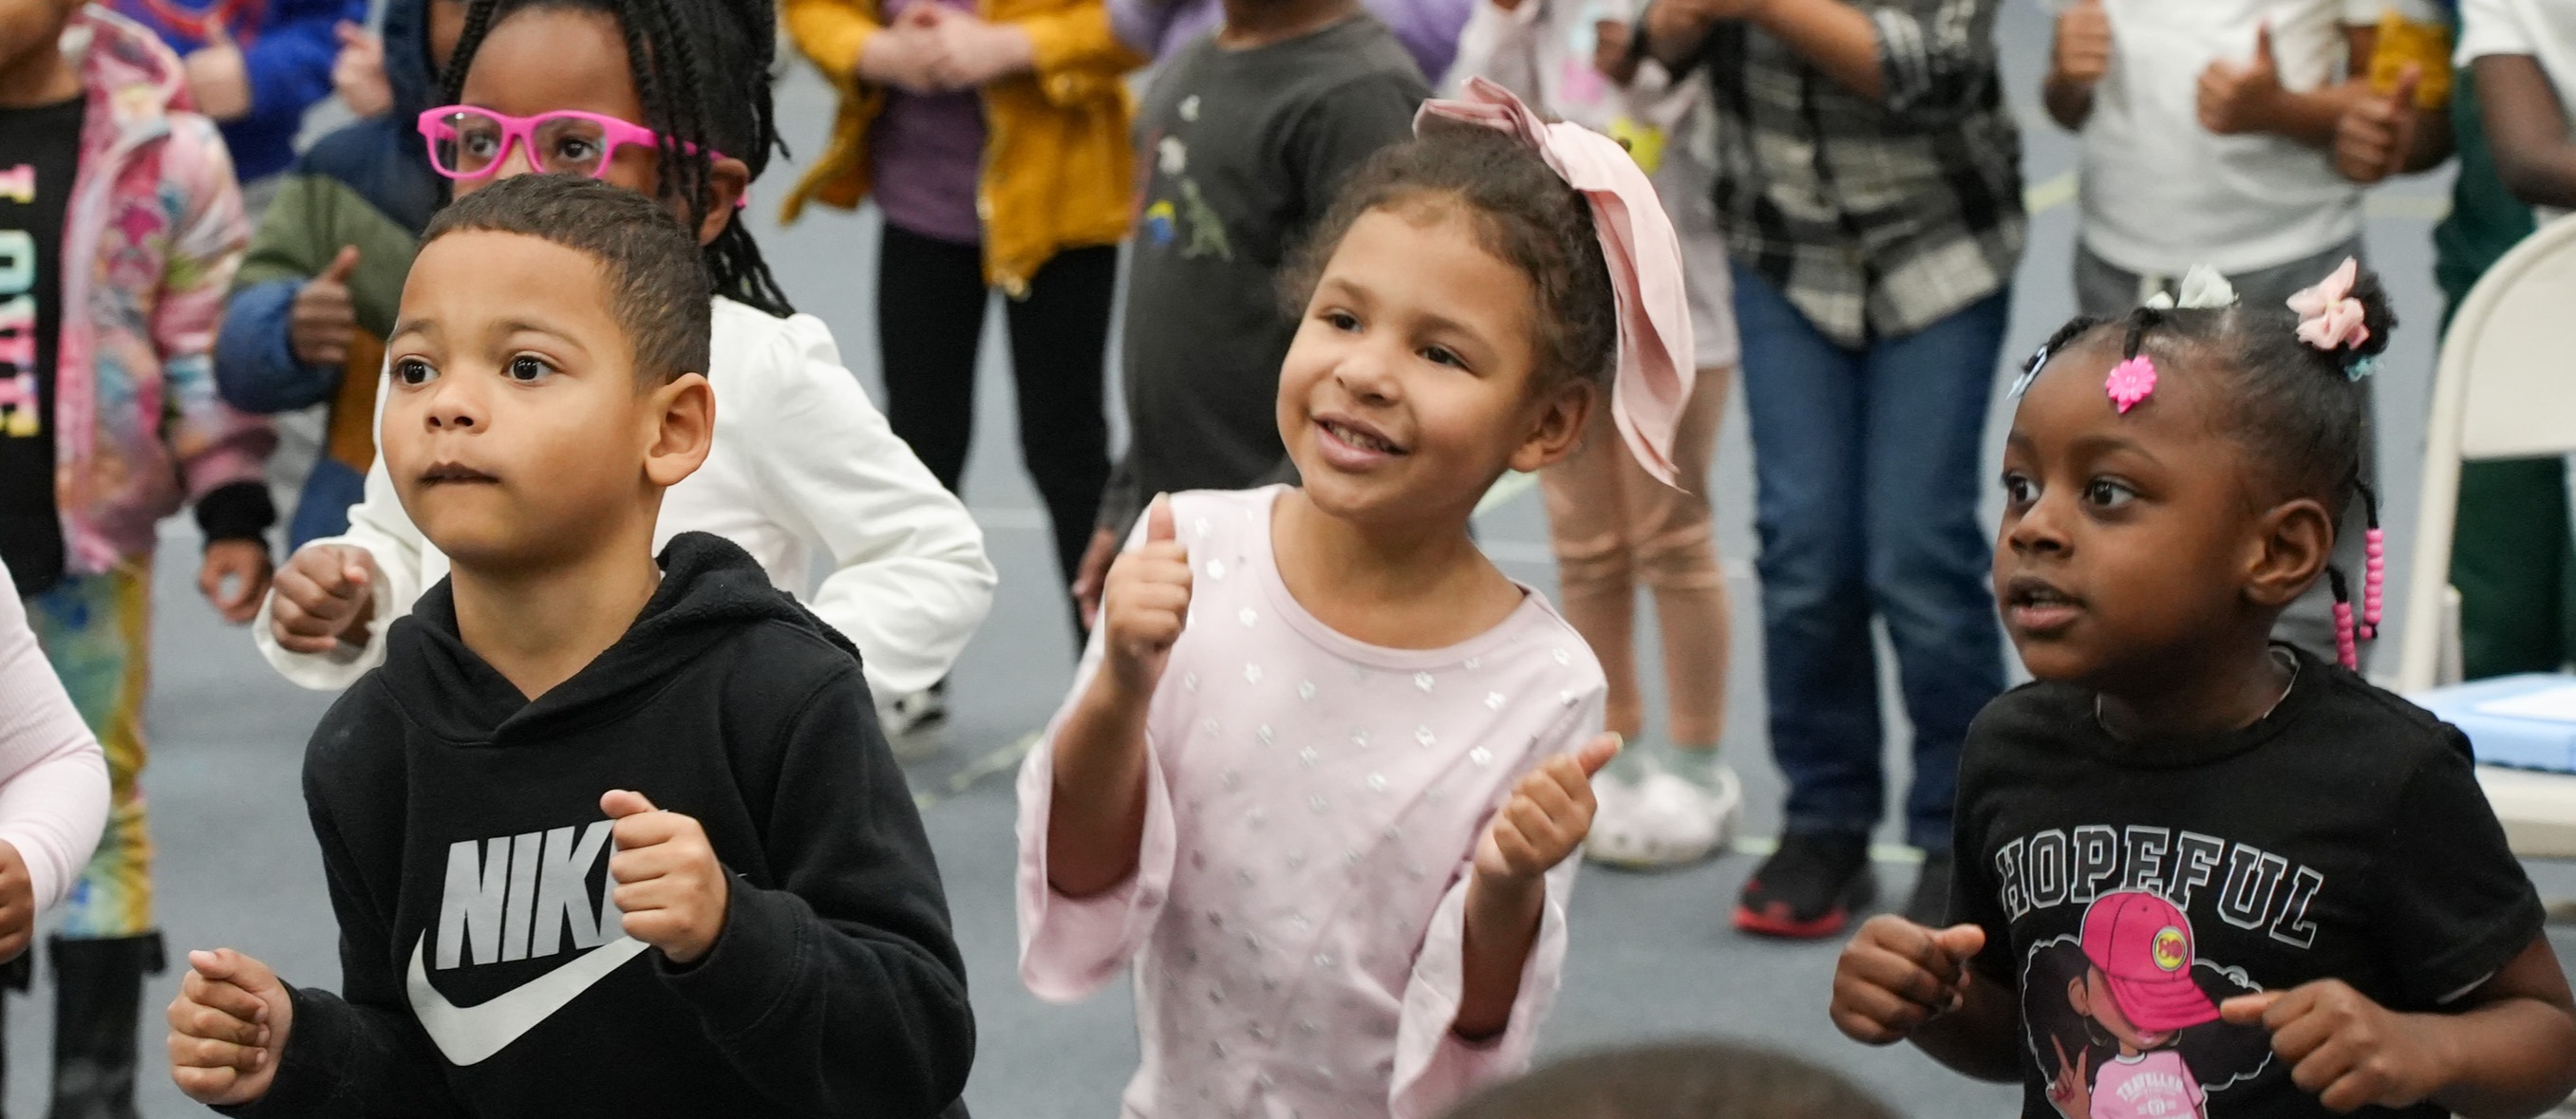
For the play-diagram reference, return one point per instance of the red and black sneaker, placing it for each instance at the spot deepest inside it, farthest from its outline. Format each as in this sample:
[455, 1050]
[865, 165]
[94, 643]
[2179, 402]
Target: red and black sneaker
[1809, 887]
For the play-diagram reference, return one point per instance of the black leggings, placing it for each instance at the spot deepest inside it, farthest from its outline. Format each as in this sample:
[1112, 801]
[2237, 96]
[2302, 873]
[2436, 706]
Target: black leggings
[930, 318]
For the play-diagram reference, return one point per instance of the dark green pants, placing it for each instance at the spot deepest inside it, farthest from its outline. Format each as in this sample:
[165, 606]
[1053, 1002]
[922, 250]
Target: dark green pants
[2511, 555]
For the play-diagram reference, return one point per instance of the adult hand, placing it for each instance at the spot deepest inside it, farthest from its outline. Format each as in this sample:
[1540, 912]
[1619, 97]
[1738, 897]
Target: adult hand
[2239, 97]
[218, 77]
[245, 565]
[1546, 819]
[227, 1028]
[1896, 975]
[1146, 603]
[975, 53]
[325, 595]
[907, 53]
[2373, 137]
[669, 885]
[2347, 1050]
[2081, 54]
[358, 72]
[323, 321]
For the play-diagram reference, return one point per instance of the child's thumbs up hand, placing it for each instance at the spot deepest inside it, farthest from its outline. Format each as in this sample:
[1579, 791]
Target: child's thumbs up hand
[1546, 819]
[218, 76]
[2243, 97]
[322, 320]
[2375, 134]
[1146, 603]
[669, 885]
[227, 1028]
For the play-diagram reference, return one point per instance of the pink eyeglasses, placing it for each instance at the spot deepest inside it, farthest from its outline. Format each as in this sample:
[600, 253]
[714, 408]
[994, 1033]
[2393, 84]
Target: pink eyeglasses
[470, 143]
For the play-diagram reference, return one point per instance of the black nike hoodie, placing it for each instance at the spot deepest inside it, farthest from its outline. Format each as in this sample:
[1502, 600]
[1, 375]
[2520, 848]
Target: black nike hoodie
[483, 972]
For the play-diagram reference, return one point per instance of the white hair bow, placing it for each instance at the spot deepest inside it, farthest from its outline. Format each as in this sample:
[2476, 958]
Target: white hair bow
[2202, 287]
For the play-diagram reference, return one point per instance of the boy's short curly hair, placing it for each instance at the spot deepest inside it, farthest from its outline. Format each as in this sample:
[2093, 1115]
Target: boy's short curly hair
[656, 277]
[1523, 213]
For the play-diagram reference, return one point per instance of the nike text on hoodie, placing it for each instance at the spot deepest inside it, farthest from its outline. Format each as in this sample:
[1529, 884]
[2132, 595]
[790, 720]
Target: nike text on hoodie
[484, 969]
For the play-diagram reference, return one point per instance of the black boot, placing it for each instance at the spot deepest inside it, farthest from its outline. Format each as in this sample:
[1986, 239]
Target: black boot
[98, 1010]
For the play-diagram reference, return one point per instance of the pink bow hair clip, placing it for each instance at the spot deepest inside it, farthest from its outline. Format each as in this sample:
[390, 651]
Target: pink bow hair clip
[2329, 317]
[1653, 384]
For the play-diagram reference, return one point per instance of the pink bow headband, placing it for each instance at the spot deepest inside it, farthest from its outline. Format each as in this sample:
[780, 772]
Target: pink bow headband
[1653, 382]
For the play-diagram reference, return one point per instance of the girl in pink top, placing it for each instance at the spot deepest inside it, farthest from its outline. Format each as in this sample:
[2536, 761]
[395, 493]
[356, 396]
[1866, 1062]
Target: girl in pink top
[53, 780]
[1323, 764]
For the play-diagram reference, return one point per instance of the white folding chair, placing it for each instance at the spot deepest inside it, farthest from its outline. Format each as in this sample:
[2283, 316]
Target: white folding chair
[2505, 388]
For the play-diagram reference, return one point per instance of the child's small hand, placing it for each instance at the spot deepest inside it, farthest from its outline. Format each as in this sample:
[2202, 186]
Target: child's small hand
[245, 565]
[1549, 814]
[976, 52]
[2374, 135]
[2242, 96]
[1610, 42]
[2081, 54]
[907, 53]
[669, 884]
[227, 1028]
[1145, 602]
[322, 320]
[17, 902]
[218, 76]
[358, 72]
[2349, 1051]
[1896, 975]
[325, 594]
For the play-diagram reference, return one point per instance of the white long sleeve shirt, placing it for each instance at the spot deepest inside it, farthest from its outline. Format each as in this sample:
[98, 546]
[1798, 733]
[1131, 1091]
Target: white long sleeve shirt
[802, 465]
[53, 780]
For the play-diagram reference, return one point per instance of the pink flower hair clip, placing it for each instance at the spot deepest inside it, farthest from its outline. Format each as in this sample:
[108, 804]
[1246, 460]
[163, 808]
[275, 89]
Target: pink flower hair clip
[2329, 317]
[2131, 381]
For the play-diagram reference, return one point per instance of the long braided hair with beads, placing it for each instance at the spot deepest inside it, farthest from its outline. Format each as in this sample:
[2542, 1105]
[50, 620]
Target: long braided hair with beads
[702, 72]
[2299, 409]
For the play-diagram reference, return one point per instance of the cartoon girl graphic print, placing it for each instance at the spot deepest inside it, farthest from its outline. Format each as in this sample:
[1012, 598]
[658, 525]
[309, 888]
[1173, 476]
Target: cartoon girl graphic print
[2139, 989]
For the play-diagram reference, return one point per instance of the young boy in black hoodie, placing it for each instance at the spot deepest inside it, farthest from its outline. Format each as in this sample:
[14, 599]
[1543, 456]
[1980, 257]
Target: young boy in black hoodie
[486, 801]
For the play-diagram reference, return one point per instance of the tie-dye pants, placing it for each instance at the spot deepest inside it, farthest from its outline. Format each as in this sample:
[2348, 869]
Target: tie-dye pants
[96, 630]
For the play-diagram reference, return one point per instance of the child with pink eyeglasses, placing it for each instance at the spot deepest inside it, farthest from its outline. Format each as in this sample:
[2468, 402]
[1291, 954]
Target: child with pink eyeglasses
[803, 465]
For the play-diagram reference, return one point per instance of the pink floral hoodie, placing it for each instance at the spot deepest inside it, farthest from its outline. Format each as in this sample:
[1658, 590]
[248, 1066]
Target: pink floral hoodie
[149, 246]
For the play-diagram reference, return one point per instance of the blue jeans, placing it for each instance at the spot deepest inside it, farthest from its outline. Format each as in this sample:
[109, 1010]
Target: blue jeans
[1867, 467]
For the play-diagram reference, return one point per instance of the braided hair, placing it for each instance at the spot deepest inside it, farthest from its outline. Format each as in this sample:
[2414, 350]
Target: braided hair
[2297, 410]
[702, 71]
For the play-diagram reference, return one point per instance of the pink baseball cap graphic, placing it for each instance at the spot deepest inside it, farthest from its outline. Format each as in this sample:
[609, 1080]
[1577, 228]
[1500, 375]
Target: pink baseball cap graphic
[2143, 946]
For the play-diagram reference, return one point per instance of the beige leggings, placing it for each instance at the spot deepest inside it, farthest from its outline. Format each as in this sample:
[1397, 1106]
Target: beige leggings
[1613, 526]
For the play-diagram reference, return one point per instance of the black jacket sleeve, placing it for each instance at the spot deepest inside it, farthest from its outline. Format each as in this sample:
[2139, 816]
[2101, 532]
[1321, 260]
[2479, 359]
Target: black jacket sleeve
[838, 988]
[359, 1054]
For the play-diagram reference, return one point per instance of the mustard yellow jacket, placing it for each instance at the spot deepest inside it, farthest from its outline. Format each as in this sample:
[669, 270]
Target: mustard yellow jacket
[1058, 166]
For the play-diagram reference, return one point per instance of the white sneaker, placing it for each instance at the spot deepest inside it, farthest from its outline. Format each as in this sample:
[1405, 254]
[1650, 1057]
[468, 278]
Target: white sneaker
[1664, 821]
[912, 723]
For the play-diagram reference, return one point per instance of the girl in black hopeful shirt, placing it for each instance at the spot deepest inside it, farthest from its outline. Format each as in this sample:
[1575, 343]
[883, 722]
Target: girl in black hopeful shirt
[2201, 874]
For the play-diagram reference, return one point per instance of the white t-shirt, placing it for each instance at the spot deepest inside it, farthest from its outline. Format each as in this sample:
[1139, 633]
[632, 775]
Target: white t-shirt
[2160, 193]
[2543, 29]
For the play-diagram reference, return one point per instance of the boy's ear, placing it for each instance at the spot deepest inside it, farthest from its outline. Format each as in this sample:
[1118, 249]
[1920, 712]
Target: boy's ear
[683, 413]
[727, 180]
[1558, 428]
[2295, 540]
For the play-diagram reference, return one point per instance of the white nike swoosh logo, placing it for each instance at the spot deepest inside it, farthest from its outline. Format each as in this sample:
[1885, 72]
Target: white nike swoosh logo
[468, 1034]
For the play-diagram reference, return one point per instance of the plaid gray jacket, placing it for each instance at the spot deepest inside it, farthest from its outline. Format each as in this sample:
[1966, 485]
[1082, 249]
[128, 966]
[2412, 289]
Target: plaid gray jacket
[1875, 218]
